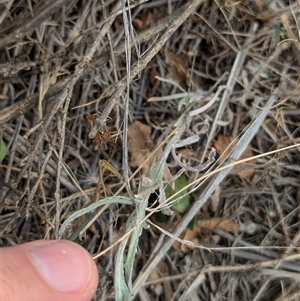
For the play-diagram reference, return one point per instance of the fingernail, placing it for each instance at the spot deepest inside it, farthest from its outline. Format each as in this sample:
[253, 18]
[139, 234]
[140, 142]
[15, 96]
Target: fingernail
[64, 265]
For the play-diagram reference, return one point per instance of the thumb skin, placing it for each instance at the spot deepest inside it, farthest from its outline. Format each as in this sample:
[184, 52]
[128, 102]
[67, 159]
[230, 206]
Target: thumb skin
[47, 270]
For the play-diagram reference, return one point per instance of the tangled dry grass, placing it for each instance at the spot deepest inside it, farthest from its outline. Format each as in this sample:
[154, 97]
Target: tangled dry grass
[61, 61]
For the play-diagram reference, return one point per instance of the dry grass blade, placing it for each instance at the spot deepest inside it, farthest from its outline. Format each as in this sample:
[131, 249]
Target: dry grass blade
[177, 19]
[231, 82]
[29, 24]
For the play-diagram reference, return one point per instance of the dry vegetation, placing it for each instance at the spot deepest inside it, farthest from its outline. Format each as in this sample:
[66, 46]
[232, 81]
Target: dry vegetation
[76, 78]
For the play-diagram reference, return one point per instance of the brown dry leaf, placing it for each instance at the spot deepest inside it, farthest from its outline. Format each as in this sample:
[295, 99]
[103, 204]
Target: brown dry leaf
[116, 235]
[140, 145]
[163, 288]
[145, 20]
[154, 81]
[78, 222]
[219, 223]
[178, 66]
[241, 169]
[201, 231]
[189, 235]
[102, 138]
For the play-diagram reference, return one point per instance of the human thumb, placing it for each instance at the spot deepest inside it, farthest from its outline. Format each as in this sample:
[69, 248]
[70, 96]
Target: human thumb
[47, 270]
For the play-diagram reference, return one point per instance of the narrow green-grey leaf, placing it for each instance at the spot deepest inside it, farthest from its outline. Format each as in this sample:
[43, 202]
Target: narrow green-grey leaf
[3, 150]
[110, 200]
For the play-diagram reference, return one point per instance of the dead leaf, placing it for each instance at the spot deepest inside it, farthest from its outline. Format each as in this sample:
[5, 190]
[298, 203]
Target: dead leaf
[145, 20]
[244, 170]
[116, 235]
[154, 81]
[203, 230]
[101, 138]
[161, 288]
[219, 223]
[140, 145]
[178, 66]
[188, 235]
[78, 222]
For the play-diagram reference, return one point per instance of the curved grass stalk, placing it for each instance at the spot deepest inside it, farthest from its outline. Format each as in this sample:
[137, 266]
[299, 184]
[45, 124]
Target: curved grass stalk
[109, 200]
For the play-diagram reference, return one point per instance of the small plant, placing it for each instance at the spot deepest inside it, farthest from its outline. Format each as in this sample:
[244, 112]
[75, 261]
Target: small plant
[182, 194]
[149, 184]
[3, 150]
